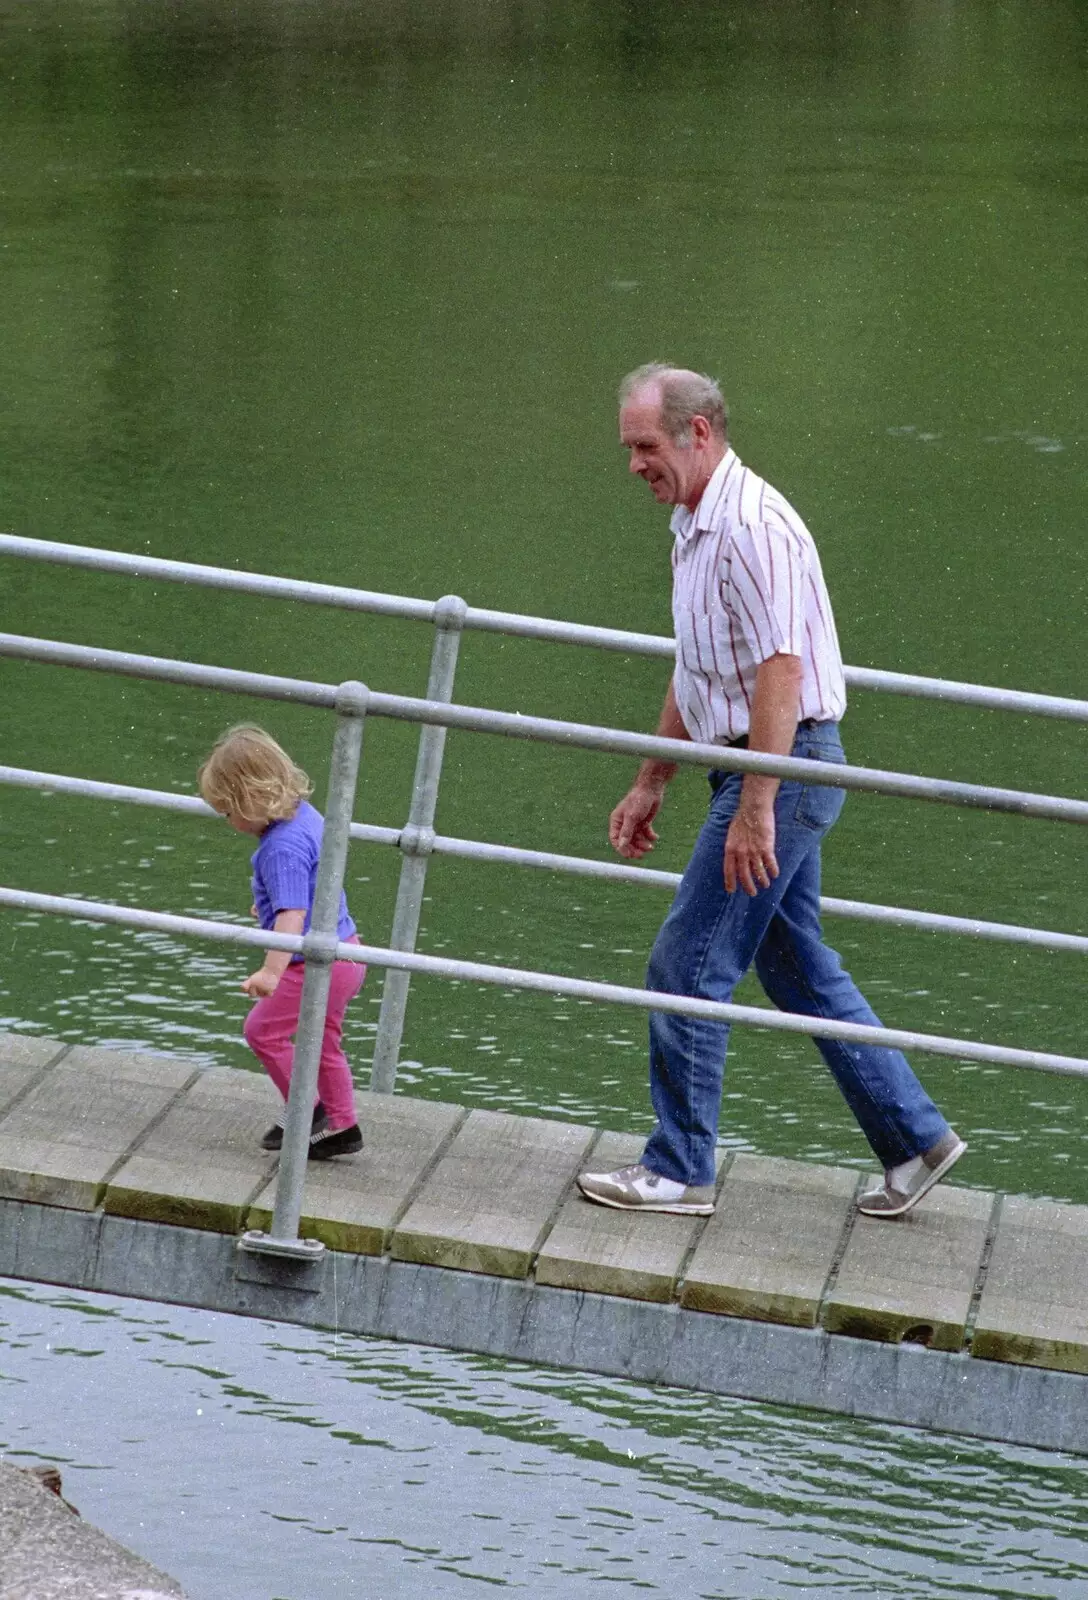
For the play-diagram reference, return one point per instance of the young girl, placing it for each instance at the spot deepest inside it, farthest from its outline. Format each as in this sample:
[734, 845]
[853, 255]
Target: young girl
[252, 782]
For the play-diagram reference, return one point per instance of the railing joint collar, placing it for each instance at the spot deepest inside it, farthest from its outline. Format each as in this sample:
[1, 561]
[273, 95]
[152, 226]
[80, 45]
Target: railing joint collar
[352, 698]
[416, 841]
[450, 612]
[319, 947]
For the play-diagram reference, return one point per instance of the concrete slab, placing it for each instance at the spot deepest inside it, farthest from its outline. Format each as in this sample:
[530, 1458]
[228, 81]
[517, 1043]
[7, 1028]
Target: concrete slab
[487, 1205]
[48, 1552]
[1034, 1305]
[202, 1164]
[60, 1142]
[354, 1204]
[913, 1278]
[467, 1203]
[22, 1059]
[768, 1250]
[638, 1255]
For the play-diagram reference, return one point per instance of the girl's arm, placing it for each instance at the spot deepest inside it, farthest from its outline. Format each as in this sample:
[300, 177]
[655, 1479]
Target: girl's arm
[266, 980]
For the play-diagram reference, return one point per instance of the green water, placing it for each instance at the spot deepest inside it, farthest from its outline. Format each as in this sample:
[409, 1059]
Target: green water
[262, 1462]
[343, 292]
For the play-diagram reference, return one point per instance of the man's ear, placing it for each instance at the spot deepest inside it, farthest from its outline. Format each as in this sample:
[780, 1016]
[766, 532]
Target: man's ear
[701, 430]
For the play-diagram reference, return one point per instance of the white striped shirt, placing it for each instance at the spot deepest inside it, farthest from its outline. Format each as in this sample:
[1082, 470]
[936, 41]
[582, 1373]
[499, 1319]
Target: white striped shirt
[747, 585]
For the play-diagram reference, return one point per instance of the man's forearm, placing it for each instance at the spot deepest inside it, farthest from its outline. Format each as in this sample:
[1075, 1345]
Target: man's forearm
[773, 722]
[656, 774]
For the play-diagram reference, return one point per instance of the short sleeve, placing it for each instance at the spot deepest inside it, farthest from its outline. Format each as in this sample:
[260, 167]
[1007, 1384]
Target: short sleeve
[767, 589]
[287, 876]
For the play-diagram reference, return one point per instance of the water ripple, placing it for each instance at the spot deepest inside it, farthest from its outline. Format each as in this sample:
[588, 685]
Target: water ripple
[538, 1481]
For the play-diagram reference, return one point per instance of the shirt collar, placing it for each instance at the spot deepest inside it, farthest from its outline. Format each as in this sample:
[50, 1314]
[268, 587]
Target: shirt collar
[686, 524]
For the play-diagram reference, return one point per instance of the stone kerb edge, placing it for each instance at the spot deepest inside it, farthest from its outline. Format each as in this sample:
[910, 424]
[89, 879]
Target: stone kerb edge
[519, 1320]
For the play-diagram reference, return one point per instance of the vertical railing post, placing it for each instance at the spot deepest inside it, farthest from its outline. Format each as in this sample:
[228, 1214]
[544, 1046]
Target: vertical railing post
[416, 843]
[319, 949]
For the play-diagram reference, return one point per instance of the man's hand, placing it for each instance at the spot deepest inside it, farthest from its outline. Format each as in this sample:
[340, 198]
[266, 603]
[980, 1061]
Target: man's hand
[750, 861]
[629, 830]
[262, 983]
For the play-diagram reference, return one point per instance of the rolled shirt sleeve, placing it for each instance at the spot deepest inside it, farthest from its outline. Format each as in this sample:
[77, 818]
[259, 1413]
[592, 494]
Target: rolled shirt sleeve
[767, 580]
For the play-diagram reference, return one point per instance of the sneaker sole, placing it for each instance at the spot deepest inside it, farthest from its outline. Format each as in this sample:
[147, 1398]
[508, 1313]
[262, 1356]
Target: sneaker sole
[675, 1208]
[912, 1200]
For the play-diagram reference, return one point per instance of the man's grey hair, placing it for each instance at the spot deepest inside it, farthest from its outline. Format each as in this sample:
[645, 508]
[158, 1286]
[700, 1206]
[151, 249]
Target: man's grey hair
[684, 395]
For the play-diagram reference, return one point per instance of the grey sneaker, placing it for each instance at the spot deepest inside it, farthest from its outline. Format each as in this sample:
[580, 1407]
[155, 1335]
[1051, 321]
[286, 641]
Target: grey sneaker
[638, 1189]
[893, 1200]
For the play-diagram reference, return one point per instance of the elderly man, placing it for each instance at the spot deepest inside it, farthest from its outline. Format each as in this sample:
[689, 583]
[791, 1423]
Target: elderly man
[757, 666]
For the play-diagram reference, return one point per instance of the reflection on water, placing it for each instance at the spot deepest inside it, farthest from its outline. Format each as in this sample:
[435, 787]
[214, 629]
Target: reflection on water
[253, 1461]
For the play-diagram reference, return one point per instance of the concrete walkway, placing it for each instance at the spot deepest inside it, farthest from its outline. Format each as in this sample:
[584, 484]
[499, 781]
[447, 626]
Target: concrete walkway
[134, 1174]
[48, 1552]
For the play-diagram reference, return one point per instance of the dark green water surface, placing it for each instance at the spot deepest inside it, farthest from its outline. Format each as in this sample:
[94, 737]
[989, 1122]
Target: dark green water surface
[343, 292]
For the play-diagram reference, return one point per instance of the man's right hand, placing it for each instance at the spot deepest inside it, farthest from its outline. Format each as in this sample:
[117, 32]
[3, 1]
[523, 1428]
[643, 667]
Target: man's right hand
[629, 830]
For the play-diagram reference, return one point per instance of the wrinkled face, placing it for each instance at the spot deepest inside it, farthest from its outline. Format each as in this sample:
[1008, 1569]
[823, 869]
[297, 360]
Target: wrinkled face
[677, 474]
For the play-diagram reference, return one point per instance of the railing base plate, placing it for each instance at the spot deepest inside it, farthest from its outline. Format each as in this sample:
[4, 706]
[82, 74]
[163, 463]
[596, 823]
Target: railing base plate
[265, 1244]
[293, 1264]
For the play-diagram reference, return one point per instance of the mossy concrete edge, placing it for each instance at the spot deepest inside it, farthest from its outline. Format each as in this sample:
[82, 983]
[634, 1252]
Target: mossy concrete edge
[521, 1320]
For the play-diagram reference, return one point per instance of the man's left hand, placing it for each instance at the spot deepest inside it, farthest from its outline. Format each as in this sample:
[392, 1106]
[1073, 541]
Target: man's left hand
[750, 861]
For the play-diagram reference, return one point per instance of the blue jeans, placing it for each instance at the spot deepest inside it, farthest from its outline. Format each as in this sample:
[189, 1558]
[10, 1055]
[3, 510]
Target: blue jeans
[707, 943]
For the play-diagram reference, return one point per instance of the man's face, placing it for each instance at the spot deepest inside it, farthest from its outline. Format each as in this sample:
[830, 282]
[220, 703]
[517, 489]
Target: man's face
[675, 473]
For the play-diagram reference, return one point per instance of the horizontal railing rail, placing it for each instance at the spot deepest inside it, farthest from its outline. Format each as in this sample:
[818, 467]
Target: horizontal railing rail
[542, 982]
[408, 708]
[547, 861]
[482, 619]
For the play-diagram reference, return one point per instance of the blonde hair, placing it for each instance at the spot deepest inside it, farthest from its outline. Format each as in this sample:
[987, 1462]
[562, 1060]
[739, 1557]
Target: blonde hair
[249, 774]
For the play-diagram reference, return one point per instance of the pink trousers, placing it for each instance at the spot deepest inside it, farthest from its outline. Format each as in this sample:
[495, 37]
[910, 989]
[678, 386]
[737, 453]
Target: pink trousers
[270, 1033]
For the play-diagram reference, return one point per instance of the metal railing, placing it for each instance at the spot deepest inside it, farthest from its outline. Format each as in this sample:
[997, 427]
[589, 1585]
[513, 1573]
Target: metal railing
[547, 861]
[510, 622]
[353, 702]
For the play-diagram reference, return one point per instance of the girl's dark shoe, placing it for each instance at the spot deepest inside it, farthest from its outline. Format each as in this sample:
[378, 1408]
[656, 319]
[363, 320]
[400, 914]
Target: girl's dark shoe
[273, 1139]
[342, 1142]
